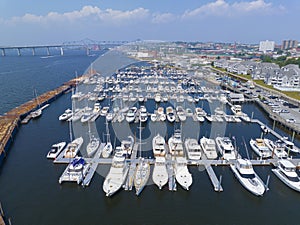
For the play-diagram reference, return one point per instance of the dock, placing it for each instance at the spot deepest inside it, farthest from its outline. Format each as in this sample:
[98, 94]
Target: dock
[10, 121]
[213, 178]
[171, 173]
[93, 166]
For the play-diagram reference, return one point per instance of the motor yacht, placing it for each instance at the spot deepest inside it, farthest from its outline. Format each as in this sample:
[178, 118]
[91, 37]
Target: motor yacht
[209, 147]
[259, 147]
[245, 174]
[159, 146]
[160, 174]
[182, 174]
[226, 148]
[192, 148]
[55, 150]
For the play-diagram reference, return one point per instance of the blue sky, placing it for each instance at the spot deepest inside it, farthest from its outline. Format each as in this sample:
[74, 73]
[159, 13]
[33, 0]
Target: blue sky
[246, 21]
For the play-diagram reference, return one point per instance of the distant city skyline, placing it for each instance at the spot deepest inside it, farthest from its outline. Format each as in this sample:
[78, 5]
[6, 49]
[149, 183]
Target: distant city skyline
[53, 22]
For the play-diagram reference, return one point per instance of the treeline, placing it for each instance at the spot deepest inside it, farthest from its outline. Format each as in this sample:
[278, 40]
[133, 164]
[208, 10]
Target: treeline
[281, 61]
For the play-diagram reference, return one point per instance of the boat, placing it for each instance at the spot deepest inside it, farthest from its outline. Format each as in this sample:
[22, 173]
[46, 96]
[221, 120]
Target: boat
[143, 114]
[225, 148]
[277, 147]
[290, 146]
[141, 175]
[75, 171]
[158, 146]
[107, 150]
[200, 114]
[73, 148]
[93, 144]
[245, 174]
[160, 174]
[157, 97]
[66, 115]
[153, 117]
[109, 116]
[182, 174]
[264, 129]
[237, 111]
[104, 111]
[209, 147]
[116, 175]
[181, 113]
[175, 144]
[259, 147]
[286, 172]
[170, 114]
[127, 146]
[86, 116]
[38, 112]
[161, 114]
[192, 148]
[55, 150]
[130, 116]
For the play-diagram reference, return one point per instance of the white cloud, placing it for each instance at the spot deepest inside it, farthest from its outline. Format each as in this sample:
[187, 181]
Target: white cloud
[223, 8]
[94, 13]
[163, 18]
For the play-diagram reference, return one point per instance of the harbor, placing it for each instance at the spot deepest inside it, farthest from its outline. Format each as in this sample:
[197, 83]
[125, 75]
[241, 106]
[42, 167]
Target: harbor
[212, 179]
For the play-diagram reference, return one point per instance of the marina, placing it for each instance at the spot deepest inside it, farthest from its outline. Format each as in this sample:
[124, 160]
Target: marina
[208, 175]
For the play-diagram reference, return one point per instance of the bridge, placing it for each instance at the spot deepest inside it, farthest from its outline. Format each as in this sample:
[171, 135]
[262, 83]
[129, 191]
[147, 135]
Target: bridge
[86, 44]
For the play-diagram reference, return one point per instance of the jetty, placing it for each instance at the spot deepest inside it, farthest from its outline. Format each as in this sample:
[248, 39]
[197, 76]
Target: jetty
[10, 121]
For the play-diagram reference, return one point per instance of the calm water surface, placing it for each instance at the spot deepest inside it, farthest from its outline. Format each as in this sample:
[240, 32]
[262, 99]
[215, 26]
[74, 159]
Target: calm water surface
[31, 194]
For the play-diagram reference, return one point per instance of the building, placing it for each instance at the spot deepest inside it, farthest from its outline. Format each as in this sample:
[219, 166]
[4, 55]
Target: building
[288, 44]
[266, 46]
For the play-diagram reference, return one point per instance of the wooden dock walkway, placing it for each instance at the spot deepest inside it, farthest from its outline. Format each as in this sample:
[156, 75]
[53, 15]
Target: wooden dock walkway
[132, 166]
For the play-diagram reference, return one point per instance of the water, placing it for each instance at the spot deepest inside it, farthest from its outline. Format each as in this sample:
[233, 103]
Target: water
[30, 192]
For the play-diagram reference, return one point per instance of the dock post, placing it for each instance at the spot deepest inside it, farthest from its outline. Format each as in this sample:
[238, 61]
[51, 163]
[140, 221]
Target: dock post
[33, 51]
[3, 52]
[19, 51]
[48, 51]
[87, 51]
[61, 51]
[293, 136]
[220, 181]
[274, 125]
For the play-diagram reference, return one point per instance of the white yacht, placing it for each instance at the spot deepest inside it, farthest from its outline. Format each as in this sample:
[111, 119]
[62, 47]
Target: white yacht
[75, 171]
[181, 113]
[143, 114]
[107, 150]
[244, 172]
[226, 148]
[259, 147]
[104, 111]
[73, 148]
[116, 175]
[276, 147]
[170, 114]
[130, 116]
[154, 117]
[193, 149]
[92, 146]
[127, 146]
[141, 175]
[161, 114]
[200, 114]
[160, 174]
[66, 115]
[159, 145]
[286, 172]
[237, 110]
[290, 146]
[55, 150]
[157, 97]
[175, 144]
[182, 174]
[209, 147]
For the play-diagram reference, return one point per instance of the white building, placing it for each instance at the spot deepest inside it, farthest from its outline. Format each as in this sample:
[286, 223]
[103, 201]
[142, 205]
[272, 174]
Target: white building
[266, 46]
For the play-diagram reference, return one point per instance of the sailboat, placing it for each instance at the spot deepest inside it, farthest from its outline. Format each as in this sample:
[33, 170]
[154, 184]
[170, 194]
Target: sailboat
[38, 112]
[74, 146]
[142, 171]
[93, 145]
[107, 150]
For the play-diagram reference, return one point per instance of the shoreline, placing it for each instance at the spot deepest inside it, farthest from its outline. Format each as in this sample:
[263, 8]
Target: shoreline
[11, 120]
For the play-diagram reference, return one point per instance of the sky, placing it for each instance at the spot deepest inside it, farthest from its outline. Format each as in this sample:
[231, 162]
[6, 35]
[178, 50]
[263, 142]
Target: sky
[33, 22]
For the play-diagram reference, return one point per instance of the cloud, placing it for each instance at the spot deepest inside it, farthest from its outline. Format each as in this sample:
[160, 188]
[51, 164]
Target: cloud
[163, 18]
[223, 8]
[92, 13]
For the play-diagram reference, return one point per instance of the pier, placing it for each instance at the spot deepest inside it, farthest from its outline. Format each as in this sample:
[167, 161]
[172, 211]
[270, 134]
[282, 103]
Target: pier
[10, 121]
